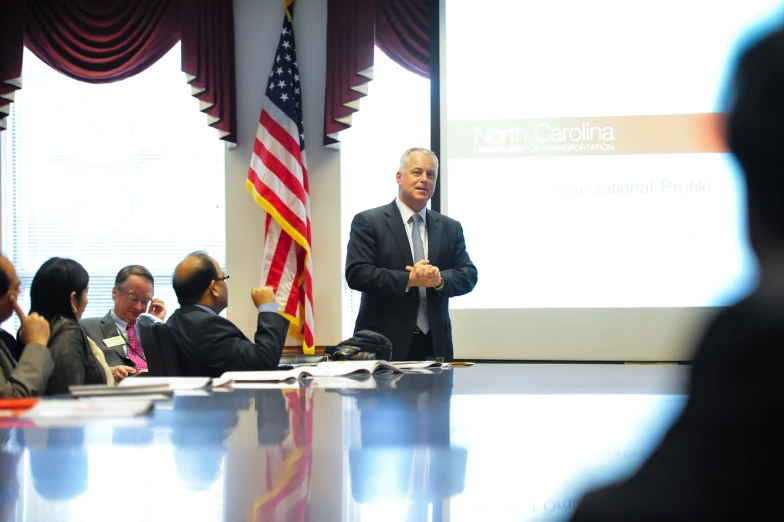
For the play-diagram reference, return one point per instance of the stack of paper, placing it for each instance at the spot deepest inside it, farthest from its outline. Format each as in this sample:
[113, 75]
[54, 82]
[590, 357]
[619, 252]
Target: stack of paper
[323, 369]
[418, 365]
[142, 386]
[102, 390]
[174, 383]
[90, 408]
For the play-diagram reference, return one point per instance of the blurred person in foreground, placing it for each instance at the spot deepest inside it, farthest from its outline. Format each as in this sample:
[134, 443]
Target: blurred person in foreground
[22, 373]
[722, 458]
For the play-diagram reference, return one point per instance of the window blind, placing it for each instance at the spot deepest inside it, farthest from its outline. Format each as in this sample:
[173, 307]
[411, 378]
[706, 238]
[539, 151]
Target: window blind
[110, 175]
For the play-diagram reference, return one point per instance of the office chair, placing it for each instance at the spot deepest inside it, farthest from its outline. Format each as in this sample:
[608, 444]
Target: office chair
[160, 350]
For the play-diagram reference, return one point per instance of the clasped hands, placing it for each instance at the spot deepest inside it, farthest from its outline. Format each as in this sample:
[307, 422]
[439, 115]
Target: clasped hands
[422, 274]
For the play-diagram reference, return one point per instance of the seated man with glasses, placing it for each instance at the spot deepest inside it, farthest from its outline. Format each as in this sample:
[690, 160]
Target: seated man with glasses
[209, 344]
[115, 333]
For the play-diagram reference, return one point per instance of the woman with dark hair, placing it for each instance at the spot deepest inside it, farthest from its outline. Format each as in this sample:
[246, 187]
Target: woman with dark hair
[59, 294]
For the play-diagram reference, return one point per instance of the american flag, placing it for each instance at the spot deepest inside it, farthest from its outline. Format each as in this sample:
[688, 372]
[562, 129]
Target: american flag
[278, 181]
[290, 465]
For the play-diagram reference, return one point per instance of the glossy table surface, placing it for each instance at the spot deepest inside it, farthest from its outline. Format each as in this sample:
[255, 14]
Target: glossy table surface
[490, 442]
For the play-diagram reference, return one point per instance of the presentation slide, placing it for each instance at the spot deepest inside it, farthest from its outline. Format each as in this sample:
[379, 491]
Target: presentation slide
[583, 152]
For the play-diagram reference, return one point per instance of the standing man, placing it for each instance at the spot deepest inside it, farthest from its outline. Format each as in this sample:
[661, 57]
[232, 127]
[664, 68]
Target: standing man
[408, 261]
[115, 333]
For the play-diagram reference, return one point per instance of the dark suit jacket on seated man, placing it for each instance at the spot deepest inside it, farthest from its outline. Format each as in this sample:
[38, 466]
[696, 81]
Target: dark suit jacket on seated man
[406, 279]
[29, 376]
[722, 459]
[209, 344]
[132, 295]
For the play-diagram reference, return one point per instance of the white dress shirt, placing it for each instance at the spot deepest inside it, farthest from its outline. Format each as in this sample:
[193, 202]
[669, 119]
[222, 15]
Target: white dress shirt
[122, 329]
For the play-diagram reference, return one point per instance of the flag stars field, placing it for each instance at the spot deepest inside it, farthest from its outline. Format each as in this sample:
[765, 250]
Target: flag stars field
[278, 181]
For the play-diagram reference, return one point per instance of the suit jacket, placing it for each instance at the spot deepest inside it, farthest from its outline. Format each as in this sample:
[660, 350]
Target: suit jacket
[376, 260]
[29, 376]
[14, 346]
[722, 458]
[74, 361]
[210, 345]
[100, 328]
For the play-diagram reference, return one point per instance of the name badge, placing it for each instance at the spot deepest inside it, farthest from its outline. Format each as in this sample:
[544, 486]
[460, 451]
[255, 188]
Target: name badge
[111, 342]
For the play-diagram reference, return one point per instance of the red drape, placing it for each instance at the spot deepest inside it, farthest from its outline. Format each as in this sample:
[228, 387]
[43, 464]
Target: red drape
[99, 41]
[350, 34]
[207, 29]
[403, 33]
[401, 28]
[11, 47]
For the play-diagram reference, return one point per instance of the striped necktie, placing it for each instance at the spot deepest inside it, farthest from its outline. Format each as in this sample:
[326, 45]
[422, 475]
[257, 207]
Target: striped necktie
[423, 319]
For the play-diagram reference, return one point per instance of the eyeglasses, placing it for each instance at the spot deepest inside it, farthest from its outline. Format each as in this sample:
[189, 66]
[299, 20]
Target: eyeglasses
[136, 299]
[224, 278]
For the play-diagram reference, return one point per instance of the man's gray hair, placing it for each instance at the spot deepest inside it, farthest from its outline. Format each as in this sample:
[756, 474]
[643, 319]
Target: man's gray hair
[128, 271]
[406, 154]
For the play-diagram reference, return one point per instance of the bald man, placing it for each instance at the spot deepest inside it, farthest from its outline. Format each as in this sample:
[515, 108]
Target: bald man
[27, 376]
[210, 344]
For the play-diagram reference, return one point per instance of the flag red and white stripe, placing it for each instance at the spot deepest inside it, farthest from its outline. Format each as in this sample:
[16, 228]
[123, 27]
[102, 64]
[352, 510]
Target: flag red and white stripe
[290, 465]
[278, 181]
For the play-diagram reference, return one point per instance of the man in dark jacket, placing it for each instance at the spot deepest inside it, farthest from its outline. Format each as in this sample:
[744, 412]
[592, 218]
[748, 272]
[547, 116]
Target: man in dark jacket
[209, 344]
[408, 262]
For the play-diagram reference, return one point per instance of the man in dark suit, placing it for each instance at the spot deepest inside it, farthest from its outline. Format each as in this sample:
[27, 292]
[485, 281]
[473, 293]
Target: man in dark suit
[115, 333]
[408, 261]
[27, 377]
[209, 344]
[722, 458]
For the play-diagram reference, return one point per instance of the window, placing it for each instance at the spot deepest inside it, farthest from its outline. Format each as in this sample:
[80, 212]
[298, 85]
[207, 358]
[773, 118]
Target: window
[394, 117]
[110, 175]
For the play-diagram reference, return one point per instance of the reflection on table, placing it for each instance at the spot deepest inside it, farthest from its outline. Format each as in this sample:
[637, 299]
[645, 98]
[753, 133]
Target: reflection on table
[493, 442]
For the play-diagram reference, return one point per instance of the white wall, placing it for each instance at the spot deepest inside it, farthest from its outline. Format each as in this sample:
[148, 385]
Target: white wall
[257, 28]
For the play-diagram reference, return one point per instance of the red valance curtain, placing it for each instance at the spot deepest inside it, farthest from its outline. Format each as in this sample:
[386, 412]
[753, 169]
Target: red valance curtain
[11, 41]
[207, 33]
[403, 33]
[401, 28]
[100, 41]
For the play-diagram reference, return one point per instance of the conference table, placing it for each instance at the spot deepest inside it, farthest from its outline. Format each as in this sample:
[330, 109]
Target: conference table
[488, 442]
